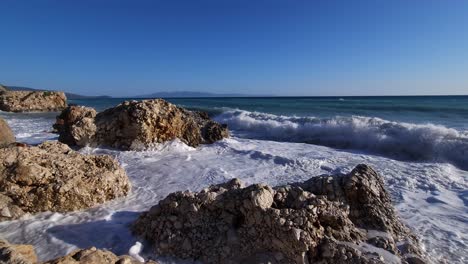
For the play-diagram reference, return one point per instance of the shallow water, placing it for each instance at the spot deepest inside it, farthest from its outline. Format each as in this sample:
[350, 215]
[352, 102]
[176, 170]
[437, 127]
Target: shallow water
[430, 195]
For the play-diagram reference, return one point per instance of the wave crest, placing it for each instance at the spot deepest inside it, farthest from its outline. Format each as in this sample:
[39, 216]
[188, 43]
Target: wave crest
[403, 141]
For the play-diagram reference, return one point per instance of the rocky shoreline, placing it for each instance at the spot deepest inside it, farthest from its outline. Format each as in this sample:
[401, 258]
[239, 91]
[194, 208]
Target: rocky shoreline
[326, 219]
[136, 125]
[32, 101]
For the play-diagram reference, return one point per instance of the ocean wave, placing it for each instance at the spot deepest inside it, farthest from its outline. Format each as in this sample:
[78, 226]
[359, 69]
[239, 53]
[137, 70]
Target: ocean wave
[402, 141]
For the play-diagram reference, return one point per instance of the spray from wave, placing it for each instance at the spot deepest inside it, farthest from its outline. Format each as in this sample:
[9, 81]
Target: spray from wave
[402, 141]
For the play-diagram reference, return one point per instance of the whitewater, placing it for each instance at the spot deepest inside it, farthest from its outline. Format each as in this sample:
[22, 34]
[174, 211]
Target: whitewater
[424, 165]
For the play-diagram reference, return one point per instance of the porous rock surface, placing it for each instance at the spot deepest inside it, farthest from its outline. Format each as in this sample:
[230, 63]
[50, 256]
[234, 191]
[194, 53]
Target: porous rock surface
[53, 177]
[329, 219]
[16, 254]
[6, 135]
[95, 256]
[32, 101]
[136, 125]
[25, 254]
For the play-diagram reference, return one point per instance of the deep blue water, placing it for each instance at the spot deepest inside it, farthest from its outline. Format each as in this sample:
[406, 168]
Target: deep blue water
[449, 111]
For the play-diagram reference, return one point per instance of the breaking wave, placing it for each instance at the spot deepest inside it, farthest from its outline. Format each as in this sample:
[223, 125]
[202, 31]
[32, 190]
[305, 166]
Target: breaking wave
[402, 141]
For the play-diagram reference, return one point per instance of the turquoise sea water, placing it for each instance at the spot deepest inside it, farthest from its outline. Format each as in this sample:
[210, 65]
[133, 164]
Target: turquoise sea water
[418, 144]
[450, 111]
[415, 128]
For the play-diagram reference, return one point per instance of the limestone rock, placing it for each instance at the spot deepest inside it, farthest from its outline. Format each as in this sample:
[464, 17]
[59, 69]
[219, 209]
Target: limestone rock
[137, 125]
[52, 177]
[75, 125]
[308, 222]
[6, 135]
[27, 101]
[94, 256]
[16, 254]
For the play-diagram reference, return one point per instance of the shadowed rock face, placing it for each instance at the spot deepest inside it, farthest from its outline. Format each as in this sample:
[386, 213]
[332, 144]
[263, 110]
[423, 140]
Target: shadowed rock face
[6, 135]
[333, 219]
[52, 177]
[136, 125]
[26, 101]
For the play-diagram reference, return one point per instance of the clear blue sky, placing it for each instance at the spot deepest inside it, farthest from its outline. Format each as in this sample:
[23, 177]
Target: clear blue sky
[287, 47]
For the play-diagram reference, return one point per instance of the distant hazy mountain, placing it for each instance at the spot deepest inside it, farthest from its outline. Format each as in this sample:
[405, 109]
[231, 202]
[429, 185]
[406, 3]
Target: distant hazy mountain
[188, 94]
[69, 95]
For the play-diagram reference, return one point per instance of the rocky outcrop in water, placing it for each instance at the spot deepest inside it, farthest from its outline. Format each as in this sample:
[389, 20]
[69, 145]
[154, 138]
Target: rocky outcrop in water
[52, 177]
[32, 101]
[75, 125]
[333, 219]
[6, 135]
[136, 125]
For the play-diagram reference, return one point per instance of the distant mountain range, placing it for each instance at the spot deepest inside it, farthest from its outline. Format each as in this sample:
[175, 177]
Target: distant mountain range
[178, 94]
[69, 95]
[188, 94]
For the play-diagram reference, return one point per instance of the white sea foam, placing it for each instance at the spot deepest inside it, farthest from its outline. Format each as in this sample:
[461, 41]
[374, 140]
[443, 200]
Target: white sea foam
[430, 197]
[404, 141]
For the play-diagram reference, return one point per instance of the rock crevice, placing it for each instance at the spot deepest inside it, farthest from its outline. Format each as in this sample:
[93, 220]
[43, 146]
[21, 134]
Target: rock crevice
[135, 125]
[317, 221]
[53, 177]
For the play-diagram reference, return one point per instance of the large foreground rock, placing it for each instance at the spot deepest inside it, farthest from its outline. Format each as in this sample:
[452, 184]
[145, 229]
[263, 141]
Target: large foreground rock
[136, 125]
[333, 219]
[27, 101]
[52, 177]
[6, 135]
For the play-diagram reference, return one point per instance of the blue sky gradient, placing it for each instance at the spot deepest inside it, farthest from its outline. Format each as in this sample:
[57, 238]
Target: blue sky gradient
[125, 48]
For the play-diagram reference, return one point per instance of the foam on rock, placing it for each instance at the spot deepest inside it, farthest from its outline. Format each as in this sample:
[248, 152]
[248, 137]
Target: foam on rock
[53, 177]
[326, 220]
[136, 125]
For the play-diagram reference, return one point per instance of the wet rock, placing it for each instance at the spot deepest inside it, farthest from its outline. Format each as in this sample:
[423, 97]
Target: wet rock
[137, 125]
[317, 221]
[16, 254]
[6, 135]
[52, 177]
[27, 101]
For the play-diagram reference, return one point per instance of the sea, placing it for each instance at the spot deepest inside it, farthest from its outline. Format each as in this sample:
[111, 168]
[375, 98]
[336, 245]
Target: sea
[419, 144]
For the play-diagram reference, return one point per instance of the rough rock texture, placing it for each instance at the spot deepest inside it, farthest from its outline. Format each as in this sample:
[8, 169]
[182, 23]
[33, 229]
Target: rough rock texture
[26, 101]
[75, 125]
[95, 256]
[16, 254]
[137, 125]
[6, 135]
[25, 254]
[340, 219]
[52, 177]
[3, 88]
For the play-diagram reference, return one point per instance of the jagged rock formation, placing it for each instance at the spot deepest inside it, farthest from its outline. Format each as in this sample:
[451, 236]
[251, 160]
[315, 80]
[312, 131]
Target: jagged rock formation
[334, 219]
[52, 177]
[75, 125]
[25, 254]
[6, 135]
[26, 101]
[136, 125]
